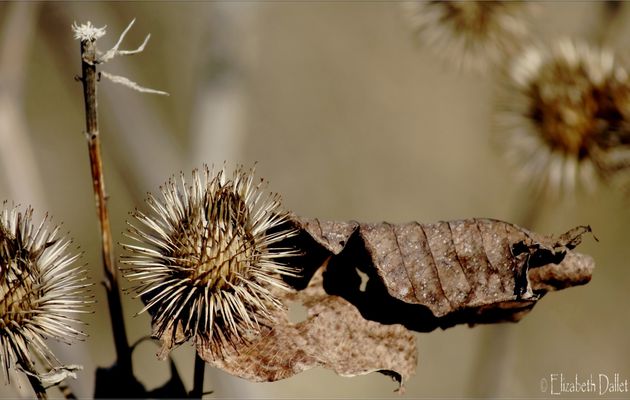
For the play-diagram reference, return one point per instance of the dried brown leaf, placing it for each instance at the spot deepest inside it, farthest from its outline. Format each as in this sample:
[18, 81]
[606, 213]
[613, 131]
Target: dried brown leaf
[466, 271]
[334, 336]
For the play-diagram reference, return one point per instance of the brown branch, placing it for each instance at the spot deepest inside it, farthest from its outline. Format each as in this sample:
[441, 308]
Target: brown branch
[89, 79]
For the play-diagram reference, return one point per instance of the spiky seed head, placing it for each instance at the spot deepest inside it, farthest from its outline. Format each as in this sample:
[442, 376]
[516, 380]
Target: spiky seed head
[565, 116]
[206, 258]
[41, 290]
[474, 35]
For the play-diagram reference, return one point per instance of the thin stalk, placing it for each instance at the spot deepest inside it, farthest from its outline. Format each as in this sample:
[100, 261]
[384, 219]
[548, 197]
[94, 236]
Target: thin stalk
[89, 79]
[200, 368]
[66, 391]
[529, 213]
[496, 343]
[38, 388]
[63, 387]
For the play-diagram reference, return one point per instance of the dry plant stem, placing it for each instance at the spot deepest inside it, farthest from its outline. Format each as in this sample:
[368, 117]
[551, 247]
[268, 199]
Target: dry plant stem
[63, 387]
[39, 389]
[89, 80]
[66, 391]
[200, 369]
[529, 211]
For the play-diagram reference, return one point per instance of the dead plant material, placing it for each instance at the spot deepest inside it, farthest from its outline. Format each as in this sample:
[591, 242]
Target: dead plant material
[419, 277]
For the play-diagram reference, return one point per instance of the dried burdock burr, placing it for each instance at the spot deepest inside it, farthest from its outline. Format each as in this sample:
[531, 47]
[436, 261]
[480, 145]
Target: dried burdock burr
[474, 35]
[564, 117]
[42, 289]
[205, 260]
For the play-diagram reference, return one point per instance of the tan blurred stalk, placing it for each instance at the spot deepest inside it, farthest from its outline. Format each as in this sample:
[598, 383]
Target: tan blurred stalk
[17, 156]
[219, 118]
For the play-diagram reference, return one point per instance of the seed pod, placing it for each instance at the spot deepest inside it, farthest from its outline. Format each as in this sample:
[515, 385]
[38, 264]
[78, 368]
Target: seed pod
[41, 287]
[205, 259]
[563, 118]
[472, 34]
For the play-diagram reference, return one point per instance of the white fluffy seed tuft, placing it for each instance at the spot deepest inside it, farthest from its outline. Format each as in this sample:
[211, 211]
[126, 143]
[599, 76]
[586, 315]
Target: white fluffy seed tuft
[87, 31]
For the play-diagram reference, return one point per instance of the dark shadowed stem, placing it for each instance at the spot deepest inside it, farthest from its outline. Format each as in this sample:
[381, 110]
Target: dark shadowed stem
[32, 375]
[200, 369]
[66, 391]
[62, 386]
[89, 80]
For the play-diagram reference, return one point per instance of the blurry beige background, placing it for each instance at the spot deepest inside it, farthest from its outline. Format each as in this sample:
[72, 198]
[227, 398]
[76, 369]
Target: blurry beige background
[347, 118]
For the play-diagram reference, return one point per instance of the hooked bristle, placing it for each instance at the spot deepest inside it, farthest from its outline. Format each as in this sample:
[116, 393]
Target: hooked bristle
[40, 288]
[204, 259]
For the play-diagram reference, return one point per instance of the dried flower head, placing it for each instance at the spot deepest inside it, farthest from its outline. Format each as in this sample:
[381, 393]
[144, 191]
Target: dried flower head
[41, 288]
[473, 34]
[88, 31]
[206, 258]
[566, 114]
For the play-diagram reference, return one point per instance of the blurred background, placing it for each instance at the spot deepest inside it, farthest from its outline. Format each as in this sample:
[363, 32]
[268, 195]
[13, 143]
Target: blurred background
[348, 118]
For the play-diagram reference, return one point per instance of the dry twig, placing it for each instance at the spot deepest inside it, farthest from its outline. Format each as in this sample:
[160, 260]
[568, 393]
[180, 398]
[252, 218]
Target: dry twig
[88, 35]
